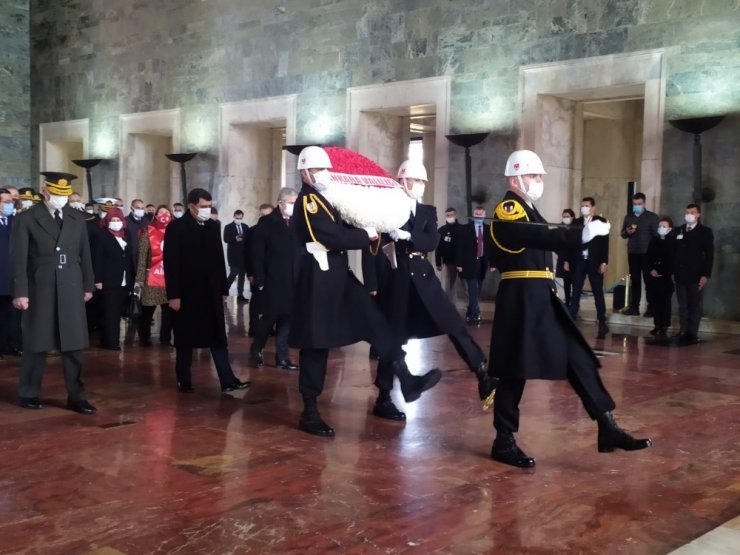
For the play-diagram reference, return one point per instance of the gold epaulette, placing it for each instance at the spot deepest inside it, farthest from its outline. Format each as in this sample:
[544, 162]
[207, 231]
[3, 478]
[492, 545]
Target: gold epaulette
[311, 205]
[510, 210]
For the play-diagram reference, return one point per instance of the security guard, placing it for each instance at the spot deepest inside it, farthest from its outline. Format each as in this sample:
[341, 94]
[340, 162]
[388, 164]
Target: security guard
[331, 307]
[533, 336]
[410, 295]
[52, 281]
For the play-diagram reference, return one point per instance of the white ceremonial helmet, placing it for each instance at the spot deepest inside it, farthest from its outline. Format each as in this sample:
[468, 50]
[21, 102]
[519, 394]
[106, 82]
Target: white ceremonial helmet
[313, 157]
[412, 169]
[523, 162]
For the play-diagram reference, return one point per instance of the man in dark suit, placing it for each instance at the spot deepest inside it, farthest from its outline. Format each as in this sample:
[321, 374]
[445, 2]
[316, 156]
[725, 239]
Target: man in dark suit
[135, 221]
[331, 307]
[533, 337]
[411, 296]
[52, 281]
[446, 253]
[472, 261]
[255, 303]
[275, 258]
[234, 234]
[196, 285]
[10, 337]
[590, 261]
[692, 269]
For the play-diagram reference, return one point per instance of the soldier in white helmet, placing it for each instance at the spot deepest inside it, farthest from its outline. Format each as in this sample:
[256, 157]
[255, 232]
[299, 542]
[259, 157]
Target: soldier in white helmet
[411, 296]
[331, 307]
[533, 335]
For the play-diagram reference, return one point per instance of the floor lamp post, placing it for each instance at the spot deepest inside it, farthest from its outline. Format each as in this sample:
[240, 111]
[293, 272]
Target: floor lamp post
[88, 164]
[467, 140]
[181, 158]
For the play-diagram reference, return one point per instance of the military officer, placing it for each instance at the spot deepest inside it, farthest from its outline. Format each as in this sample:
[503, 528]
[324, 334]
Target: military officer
[331, 307]
[52, 281]
[533, 336]
[411, 296]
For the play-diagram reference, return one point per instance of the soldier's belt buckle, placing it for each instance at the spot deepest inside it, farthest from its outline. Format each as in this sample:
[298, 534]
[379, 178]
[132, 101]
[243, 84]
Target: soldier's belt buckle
[62, 259]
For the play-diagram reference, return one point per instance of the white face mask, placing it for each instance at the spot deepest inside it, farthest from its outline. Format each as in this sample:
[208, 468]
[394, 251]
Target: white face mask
[450, 220]
[567, 220]
[77, 205]
[663, 231]
[417, 191]
[289, 206]
[115, 226]
[90, 211]
[177, 214]
[238, 220]
[204, 214]
[322, 180]
[534, 189]
[138, 212]
[690, 218]
[585, 211]
[58, 201]
[26, 204]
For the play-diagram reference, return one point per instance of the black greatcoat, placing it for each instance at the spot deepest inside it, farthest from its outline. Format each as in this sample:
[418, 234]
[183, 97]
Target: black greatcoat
[110, 261]
[196, 274]
[276, 255]
[530, 323]
[329, 306]
[411, 296]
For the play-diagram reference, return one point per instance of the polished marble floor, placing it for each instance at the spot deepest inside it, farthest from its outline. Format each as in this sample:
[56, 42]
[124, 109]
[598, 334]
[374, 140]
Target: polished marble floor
[160, 472]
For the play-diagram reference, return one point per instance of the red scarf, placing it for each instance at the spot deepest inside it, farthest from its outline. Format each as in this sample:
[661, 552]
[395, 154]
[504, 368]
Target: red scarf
[114, 213]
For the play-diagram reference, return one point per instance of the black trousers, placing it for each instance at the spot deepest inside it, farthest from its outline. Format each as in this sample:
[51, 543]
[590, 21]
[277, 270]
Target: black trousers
[474, 289]
[238, 274]
[583, 376]
[113, 303]
[662, 293]
[32, 373]
[568, 290]
[220, 355]
[145, 322]
[468, 349]
[638, 271]
[689, 307]
[582, 270]
[10, 324]
[262, 330]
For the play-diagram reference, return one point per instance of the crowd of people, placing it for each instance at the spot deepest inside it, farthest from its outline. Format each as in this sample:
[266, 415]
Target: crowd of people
[68, 264]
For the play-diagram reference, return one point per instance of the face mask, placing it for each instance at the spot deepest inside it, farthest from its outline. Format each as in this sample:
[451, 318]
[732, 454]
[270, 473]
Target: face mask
[450, 220]
[567, 220]
[478, 219]
[322, 180]
[26, 204]
[90, 211]
[58, 201]
[177, 214]
[238, 220]
[8, 209]
[417, 191]
[115, 226]
[534, 189]
[138, 212]
[164, 218]
[204, 214]
[585, 211]
[638, 209]
[289, 209]
[690, 218]
[77, 205]
[663, 231]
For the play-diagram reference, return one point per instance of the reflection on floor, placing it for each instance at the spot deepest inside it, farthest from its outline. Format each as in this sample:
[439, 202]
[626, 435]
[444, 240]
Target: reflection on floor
[160, 472]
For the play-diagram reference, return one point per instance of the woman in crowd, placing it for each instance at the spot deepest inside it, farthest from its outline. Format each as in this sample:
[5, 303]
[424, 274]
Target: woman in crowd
[113, 264]
[150, 276]
[660, 265]
[562, 269]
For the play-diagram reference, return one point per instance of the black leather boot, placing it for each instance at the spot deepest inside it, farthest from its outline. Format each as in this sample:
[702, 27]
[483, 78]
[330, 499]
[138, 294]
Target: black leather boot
[311, 421]
[612, 437]
[413, 386]
[486, 384]
[505, 450]
[384, 408]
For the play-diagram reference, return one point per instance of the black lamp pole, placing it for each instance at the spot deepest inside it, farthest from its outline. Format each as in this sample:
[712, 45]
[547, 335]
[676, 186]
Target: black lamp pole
[182, 158]
[87, 164]
[467, 140]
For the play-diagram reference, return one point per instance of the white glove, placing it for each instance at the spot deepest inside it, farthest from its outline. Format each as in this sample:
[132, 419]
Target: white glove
[594, 228]
[400, 235]
[372, 233]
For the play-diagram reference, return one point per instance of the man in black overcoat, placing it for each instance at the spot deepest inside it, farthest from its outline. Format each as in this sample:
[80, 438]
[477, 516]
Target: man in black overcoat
[275, 259]
[331, 307]
[533, 335]
[196, 287]
[411, 296]
[445, 255]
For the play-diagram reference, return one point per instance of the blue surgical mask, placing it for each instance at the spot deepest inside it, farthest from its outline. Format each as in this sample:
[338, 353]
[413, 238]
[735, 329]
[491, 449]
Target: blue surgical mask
[177, 214]
[8, 209]
[478, 220]
[663, 231]
[638, 209]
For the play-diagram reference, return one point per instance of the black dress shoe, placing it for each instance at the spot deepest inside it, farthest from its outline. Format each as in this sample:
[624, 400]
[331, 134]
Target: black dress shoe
[631, 312]
[111, 347]
[185, 387]
[603, 330]
[654, 331]
[256, 359]
[236, 384]
[648, 313]
[242, 299]
[286, 364]
[81, 406]
[413, 386]
[386, 409]
[313, 424]
[612, 437]
[31, 403]
[508, 452]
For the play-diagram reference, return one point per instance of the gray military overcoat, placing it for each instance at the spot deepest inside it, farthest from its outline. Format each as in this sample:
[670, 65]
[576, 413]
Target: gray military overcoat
[52, 267]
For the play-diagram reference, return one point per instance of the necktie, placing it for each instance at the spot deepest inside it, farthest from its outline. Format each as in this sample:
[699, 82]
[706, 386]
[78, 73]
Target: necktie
[4, 220]
[287, 221]
[239, 229]
[58, 218]
[479, 250]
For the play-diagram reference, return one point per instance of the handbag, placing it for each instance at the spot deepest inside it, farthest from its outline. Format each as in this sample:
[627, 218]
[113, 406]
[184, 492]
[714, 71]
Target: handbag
[134, 305]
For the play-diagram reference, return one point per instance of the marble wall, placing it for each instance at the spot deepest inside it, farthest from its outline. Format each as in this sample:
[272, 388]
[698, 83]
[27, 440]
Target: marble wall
[99, 60]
